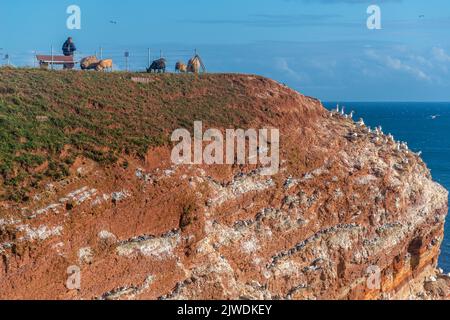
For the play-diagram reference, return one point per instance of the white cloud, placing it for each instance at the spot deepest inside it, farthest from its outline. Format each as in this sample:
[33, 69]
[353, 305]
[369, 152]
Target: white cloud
[397, 64]
[440, 54]
[281, 64]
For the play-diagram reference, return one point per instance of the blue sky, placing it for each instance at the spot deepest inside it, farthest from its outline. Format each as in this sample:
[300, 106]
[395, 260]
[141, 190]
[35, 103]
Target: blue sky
[320, 47]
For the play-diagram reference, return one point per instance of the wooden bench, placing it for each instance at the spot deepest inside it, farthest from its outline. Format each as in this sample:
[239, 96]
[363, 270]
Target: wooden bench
[45, 61]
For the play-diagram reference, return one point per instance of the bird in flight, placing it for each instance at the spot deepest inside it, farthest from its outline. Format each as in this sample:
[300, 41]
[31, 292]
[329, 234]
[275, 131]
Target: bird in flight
[113, 22]
[422, 16]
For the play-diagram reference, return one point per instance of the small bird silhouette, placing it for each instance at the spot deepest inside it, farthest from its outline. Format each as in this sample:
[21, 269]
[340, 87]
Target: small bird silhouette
[113, 22]
[422, 16]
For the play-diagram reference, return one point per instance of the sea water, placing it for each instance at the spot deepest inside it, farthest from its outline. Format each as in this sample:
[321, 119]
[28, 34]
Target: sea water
[425, 127]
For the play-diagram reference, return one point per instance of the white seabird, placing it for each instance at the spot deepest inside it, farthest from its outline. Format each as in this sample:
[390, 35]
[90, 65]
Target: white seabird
[361, 123]
[404, 146]
[391, 138]
[377, 131]
[351, 114]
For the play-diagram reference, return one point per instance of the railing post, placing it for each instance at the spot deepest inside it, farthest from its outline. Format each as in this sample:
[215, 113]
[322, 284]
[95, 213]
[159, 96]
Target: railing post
[52, 58]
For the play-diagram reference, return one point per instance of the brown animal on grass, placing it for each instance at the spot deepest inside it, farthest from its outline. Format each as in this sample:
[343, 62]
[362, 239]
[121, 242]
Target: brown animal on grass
[92, 62]
[106, 64]
[181, 67]
[158, 66]
[89, 63]
[195, 64]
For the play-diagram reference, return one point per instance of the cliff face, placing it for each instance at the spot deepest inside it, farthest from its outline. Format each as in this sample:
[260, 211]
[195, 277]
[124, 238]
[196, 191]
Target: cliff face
[345, 203]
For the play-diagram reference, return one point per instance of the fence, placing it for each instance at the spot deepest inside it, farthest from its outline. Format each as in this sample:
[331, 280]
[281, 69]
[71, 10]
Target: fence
[123, 59]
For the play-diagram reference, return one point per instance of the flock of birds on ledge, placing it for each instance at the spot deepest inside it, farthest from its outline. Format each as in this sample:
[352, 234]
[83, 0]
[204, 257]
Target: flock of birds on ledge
[377, 135]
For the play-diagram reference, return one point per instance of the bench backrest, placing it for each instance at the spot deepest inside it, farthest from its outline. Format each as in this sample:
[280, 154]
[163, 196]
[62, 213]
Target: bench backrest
[55, 59]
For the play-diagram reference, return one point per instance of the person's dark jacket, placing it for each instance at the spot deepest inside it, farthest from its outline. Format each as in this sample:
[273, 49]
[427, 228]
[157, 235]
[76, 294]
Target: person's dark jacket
[68, 48]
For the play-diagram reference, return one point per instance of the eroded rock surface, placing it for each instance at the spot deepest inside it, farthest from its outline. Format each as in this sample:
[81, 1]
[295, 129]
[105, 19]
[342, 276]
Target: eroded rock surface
[346, 201]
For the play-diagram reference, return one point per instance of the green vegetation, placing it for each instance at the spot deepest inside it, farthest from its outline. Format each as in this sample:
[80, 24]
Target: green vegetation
[48, 118]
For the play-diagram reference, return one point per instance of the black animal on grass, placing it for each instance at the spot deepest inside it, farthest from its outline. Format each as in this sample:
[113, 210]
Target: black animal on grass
[158, 66]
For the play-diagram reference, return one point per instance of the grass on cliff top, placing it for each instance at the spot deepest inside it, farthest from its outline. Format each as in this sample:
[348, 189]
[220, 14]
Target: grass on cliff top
[101, 116]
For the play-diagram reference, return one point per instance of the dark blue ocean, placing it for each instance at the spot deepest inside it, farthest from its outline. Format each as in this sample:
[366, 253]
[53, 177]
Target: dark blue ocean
[426, 128]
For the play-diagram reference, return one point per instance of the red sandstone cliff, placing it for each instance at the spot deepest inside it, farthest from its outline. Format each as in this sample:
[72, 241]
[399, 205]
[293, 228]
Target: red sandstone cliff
[342, 202]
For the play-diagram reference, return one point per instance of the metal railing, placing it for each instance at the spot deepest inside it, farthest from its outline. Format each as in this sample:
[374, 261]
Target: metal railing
[123, 59]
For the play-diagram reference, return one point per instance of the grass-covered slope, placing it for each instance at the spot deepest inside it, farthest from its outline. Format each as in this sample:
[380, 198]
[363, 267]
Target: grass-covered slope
[47, 118]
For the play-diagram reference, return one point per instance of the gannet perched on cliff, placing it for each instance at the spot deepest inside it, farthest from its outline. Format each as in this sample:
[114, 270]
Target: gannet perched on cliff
[377, 131]
[391, 137]
[404, 146]
[361, 123]
[351, 115]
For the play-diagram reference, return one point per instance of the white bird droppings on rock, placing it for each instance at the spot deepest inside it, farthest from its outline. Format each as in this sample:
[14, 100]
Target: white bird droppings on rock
[106, 235]
[159, 248]
[120, 195]
[41, 233]
[250, 246]
[85, 255]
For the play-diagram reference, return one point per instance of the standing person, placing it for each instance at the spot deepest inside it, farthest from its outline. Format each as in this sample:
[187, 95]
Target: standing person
[69, 49]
